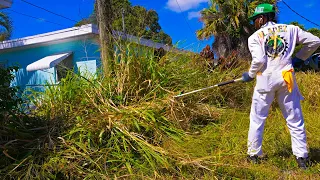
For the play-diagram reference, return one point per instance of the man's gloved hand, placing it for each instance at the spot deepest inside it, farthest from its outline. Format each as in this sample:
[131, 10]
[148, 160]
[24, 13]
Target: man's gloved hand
[297, 63]
[246, 77]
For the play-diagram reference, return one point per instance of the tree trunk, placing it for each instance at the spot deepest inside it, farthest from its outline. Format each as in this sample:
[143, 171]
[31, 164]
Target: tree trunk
[104, 13]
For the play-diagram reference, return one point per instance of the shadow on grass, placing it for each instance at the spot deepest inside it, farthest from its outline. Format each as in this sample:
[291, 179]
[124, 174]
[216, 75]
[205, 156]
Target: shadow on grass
[285, 152]
[23, 136]
[203, 120]
[314, 155]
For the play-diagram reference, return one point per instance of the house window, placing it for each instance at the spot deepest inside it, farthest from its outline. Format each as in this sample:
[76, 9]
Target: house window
[63, 67]
[87, 69]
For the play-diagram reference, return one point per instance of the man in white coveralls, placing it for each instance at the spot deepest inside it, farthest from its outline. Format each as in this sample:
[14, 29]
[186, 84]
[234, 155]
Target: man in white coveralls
[271, 47]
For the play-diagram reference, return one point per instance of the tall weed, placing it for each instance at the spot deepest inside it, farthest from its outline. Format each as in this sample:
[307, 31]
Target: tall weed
[131, 127]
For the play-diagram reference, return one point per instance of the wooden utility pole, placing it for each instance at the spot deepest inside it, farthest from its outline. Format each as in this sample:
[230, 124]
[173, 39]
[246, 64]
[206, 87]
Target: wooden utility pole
[123, 24]
[104, 16]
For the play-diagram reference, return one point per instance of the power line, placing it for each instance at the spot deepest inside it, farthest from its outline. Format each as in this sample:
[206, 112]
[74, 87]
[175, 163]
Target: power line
[44, 20]
[48, 10]
[184, 18]
[299, 14]
[40, 19]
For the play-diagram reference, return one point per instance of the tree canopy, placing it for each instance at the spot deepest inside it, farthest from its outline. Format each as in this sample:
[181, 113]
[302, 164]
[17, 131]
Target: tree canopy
[227, 21]
[5, 27]
[138, 21]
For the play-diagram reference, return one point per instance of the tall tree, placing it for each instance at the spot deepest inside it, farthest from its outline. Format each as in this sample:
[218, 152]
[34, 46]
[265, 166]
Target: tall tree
[143, 23]
[104, 17]
[5, 27]
[138, 21]
[227, 21]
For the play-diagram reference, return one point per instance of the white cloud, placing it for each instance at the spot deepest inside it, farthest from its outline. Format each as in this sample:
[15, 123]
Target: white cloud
[310, 5]
[185, 5]
[194, 14]
[41, 20]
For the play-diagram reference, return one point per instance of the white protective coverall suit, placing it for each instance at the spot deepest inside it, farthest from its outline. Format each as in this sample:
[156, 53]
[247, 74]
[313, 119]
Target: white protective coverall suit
[271, 48]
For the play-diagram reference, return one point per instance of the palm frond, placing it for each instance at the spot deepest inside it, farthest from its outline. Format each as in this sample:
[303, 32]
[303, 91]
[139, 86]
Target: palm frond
[5, 26]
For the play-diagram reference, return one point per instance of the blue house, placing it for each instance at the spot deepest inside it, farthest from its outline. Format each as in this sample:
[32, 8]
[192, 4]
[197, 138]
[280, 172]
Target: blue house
[44, 58]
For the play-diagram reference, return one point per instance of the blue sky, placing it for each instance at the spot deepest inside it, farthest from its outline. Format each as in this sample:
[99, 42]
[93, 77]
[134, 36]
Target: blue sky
[179, 22]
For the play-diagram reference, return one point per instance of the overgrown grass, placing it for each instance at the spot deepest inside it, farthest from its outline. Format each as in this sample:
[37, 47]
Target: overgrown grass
[131, 127]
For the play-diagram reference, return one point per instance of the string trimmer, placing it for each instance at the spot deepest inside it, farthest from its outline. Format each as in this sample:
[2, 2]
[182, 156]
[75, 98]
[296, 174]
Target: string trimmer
[217, 85]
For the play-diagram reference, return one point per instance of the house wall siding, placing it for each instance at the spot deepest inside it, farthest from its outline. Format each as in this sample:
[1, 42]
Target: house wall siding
[83, 50]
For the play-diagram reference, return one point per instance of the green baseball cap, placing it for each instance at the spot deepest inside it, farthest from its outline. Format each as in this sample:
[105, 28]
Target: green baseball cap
[263, 9]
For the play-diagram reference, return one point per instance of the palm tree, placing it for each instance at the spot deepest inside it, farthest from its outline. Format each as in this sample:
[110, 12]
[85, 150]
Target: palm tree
[227, 21]
[5, 26]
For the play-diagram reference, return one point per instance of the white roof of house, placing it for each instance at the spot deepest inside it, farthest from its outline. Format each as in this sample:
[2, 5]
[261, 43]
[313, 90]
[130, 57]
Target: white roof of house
[142, 41]
[74, 32]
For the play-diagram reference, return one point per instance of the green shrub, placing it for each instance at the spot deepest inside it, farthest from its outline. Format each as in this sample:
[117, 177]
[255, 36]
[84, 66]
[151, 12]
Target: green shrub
[9, 101]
